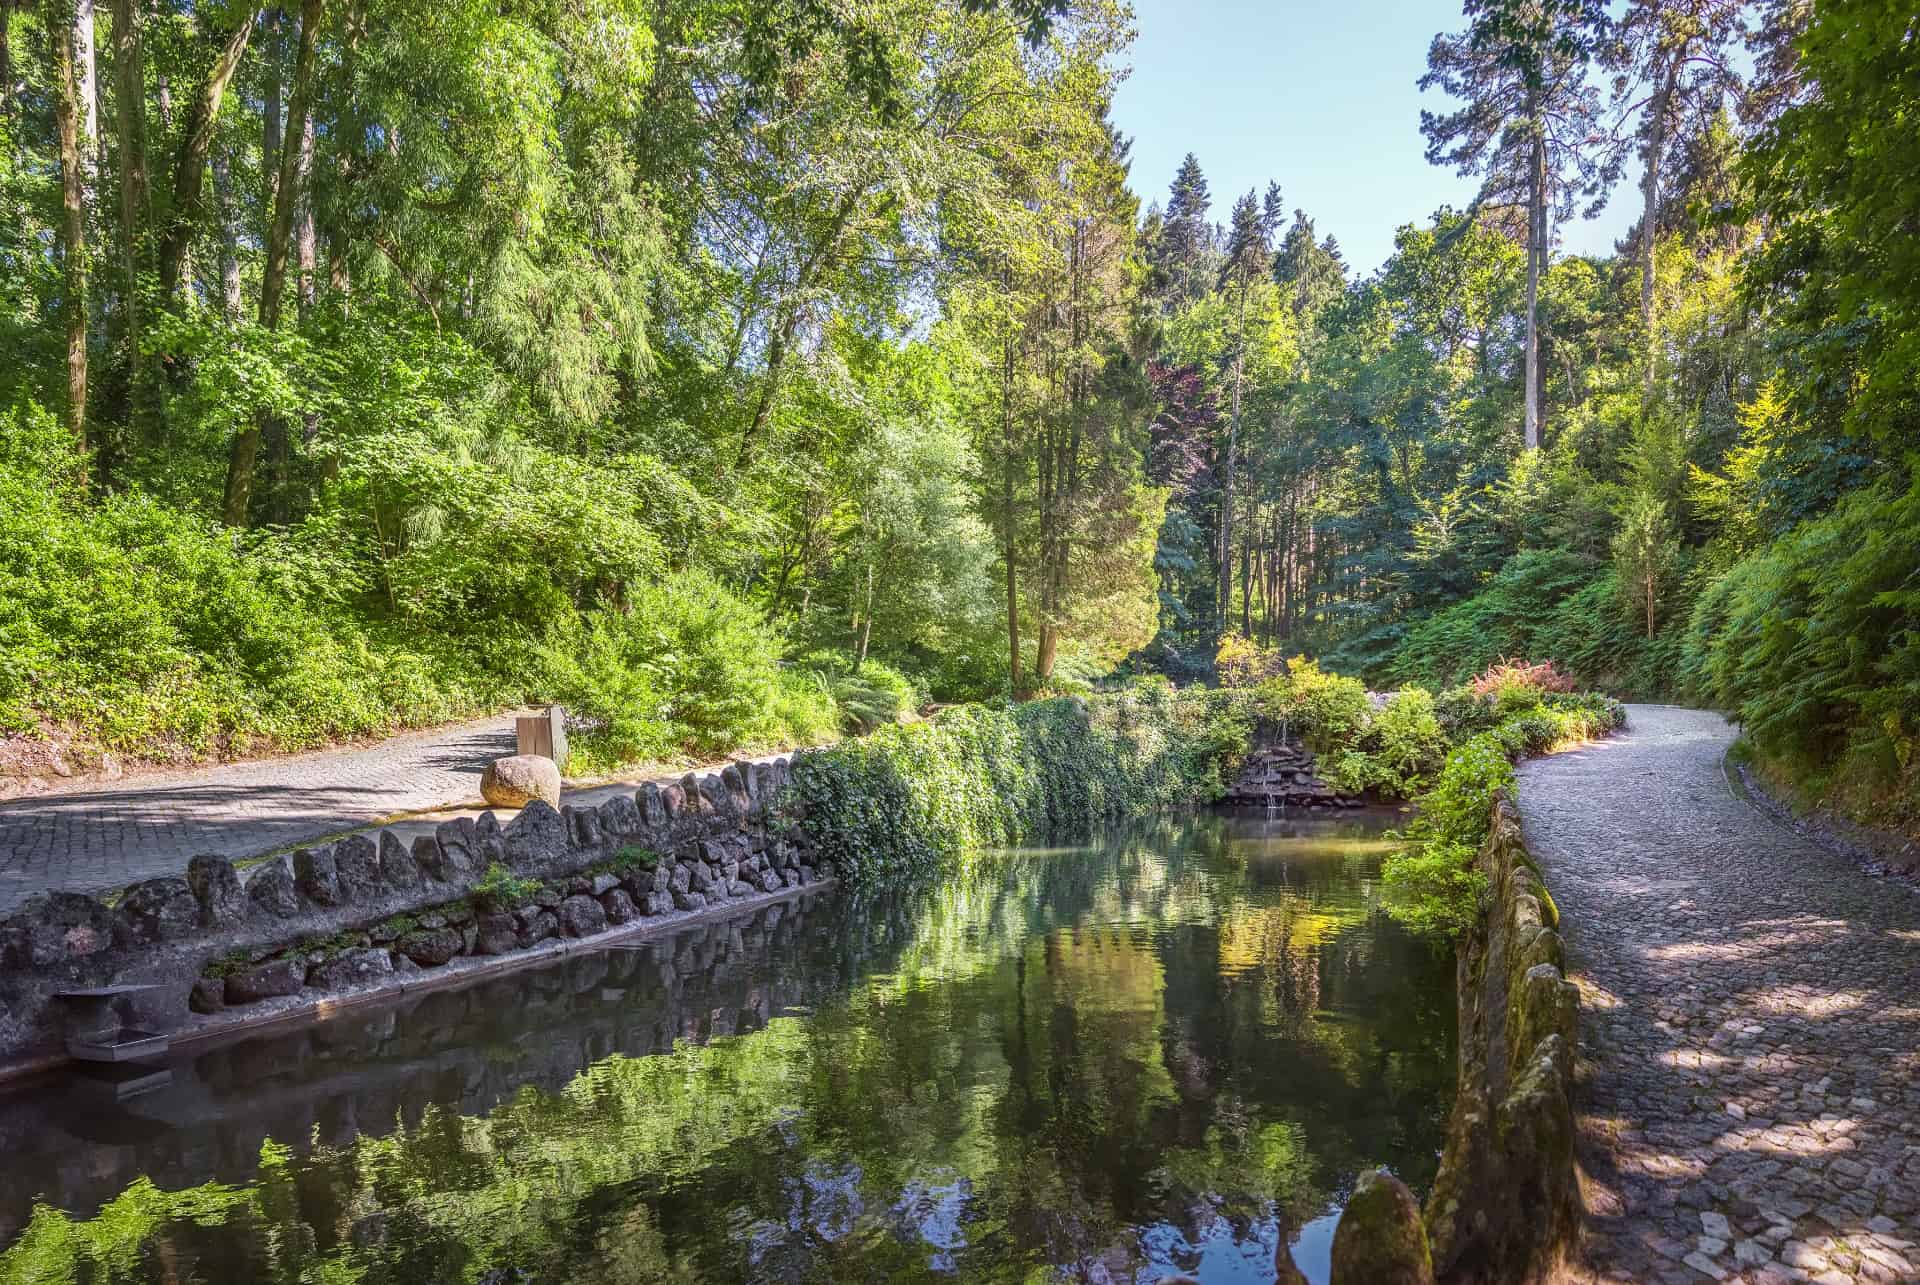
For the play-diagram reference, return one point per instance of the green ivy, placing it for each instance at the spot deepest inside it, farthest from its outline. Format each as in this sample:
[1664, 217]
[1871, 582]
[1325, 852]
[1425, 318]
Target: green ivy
[909, 801]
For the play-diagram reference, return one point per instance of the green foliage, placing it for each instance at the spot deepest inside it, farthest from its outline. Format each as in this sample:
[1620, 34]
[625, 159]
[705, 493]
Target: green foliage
[1814, 642]
[501, 889]
[1325, 710]
[1401, 748]
[632, 857]
[868, 694]
[909, 801]
[1434, 885]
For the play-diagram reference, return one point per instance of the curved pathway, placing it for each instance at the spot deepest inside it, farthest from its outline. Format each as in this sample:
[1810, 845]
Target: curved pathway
[1750, 1024]
[90, 840]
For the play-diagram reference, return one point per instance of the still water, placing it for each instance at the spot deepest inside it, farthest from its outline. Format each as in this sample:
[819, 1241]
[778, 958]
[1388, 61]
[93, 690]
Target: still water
[1165, 1052]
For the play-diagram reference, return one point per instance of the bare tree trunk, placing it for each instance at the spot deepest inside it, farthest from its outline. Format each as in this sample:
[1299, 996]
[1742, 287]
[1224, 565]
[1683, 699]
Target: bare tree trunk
[1006, 501]
[189, 171]
[1536, 257]
[130, 126]
[273, 280]
[6, 59]
[1228, 465]
[271, 25]
[1649, 218]
[73, 224]
[306, 246]
[230, 295]
[87, 95]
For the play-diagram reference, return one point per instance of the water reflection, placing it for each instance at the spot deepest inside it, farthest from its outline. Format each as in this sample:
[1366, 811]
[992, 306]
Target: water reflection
[1166, 1052]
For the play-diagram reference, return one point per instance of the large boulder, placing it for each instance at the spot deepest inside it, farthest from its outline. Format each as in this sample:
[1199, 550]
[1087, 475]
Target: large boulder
[398, 869]
[157, 910]
[431, 947]
[519, 779]
[317, 877]
[537, 838]
[581, 916]
[351, 968]
[1380, 1239]
[271, 890]
[357, 862]
[275, 978]
[618, 904]
[498, 935]
[59, 926]
[459, 848]
[216, 886]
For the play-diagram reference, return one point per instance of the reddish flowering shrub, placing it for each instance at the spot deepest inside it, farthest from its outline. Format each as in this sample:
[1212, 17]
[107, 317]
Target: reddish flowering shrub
[1506, 675]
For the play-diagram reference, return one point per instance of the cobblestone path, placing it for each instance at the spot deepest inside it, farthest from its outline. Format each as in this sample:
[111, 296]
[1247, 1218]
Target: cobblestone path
[1750, 1024]
[93, 840]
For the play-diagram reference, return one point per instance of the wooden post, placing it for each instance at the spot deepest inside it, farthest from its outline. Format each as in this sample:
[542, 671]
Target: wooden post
[544, 734]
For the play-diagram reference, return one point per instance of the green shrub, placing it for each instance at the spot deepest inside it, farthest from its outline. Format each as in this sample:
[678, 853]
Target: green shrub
[501, 889]
[868, 694]
[1327, 711]
[1432, 881]
[1401, 748]
[908, 801]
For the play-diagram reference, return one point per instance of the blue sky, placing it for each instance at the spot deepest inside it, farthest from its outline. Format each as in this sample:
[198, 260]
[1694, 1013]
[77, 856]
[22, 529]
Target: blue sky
[1320, 96]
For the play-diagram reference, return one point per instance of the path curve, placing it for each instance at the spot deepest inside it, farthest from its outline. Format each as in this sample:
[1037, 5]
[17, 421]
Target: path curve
[97, 839]
[1750, 1022]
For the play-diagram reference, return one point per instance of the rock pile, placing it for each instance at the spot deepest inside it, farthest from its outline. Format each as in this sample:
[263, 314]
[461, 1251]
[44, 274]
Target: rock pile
[1282, 775]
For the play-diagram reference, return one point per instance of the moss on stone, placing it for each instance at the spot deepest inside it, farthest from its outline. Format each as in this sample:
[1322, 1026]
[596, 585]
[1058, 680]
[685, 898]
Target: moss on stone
[1380, 1239]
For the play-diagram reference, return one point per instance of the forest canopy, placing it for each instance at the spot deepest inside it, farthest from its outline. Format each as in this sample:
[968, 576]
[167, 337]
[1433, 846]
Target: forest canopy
[742, 374]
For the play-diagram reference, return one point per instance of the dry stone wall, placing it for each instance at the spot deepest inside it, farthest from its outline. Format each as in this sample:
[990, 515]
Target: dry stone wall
[1505, 1204]
[371, 912]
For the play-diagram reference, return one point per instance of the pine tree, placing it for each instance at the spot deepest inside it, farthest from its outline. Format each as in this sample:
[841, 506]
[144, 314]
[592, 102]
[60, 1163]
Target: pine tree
[1186, 238]
[1673, 57]
[1529, 124]
[1246, 262]
[1310, 275]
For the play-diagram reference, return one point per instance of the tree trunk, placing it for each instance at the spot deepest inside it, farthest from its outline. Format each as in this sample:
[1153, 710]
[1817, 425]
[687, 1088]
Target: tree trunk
[6, 59]
[1536, 259]
[230, 296]
[87, 95]
[1228, 465]
[1006, 501]
[306, 247]
[272, 54]
[1650, 192]
[189, 170]
[130, 126]
[273, 280]
[73, 223]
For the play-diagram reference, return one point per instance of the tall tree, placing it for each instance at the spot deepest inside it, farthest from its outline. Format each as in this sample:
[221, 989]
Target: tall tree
[289, 191]
[1528, 123]
[69, 119]
[1185, 244]
[1247, 261]
[1675, 69]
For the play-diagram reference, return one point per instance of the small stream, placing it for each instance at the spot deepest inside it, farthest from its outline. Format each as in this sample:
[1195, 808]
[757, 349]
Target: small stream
[1164, 1052]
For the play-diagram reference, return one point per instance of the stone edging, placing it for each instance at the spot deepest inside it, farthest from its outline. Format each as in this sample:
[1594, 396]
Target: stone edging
[1505, 1205]
[373, 915]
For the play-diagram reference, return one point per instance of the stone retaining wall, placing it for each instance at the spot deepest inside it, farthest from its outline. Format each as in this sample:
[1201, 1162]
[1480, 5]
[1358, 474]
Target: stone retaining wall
[1505, 1204]
[370, 911]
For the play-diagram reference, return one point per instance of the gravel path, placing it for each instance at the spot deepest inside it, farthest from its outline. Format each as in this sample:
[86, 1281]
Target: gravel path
[1750, 1025]
[93, 840]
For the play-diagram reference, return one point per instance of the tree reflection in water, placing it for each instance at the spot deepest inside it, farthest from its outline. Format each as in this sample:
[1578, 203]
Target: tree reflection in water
[1165, 1051]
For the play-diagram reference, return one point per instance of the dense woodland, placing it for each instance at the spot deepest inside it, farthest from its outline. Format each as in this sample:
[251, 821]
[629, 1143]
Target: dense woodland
[739, 373]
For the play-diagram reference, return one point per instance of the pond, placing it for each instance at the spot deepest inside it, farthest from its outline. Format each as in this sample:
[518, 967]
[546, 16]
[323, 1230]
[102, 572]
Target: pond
[1165, 1052]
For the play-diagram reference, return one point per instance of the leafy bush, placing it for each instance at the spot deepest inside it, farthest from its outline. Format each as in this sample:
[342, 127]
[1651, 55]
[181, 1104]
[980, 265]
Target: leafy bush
[1241, 662]
[501, 889]
[1432, 877]
[1813, 642]
[868, 694]
[1402, 747]
[909, 800]
[1327, 711]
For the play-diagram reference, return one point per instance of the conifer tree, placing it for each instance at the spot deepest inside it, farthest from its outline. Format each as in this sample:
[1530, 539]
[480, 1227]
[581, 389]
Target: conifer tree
[1186, 239]
[1528, 123]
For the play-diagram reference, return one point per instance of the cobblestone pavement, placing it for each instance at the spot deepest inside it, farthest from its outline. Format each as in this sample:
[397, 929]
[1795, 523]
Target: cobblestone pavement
[1750, 1024]
[93, 840]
